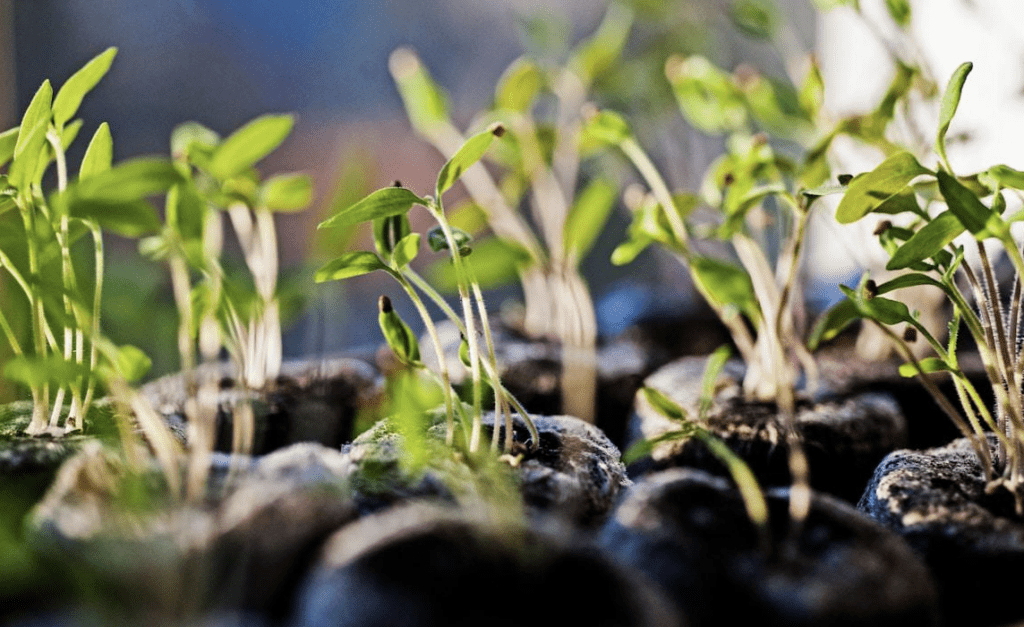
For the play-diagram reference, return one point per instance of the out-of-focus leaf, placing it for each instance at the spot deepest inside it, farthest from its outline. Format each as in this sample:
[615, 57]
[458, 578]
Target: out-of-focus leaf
[597, 53]
[286, 192]
[406, 250]
[832, 323]
[726, 284]
[397, 333]
[606, 127]
[426, 104]
[928, 364]
[588, 215]
[706, 95]
[249, 144]
[495, 262]
[34, 372]
[191, 137]
[518, 86]
[755, 18]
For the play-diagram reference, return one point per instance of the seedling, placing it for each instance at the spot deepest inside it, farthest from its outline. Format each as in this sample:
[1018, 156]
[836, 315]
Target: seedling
[540, 165]
[951, 217]
[396, 247]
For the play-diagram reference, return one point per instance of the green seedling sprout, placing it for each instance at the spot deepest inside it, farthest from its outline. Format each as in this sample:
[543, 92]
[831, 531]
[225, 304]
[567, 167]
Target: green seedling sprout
[690, 428]
[946, 209]
[541, 164]
[218, 174]
[64, 323]
[396, 247]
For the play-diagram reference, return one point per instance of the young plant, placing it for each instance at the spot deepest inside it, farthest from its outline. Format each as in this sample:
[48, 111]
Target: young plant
[540, 168]
[954, 219]
[36, 250]
[396, 247]
[219, 175]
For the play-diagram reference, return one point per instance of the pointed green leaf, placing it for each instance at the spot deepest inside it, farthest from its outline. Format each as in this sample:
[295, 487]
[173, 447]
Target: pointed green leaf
[607, 127]
[975, 216]
[928, 364]
[132, 363]
[587, 216]
[131, 180]
[832, 323]
[27, 156]
[812, 91]
[8, 140]
[866, 192]
[426, 104]
[406, 250]
[438, 242]
[950, 101]
[350, 265]
[466, 156]
[899, 10]
[69, 98]
[901, 202]
[930, 239]
[598, 52]
[664, 405]
[911, 279]
[38, 112]
[249, 144]
[630, 249]
[99, 155]
[726, 284]
[287, 192]
[884, 310]
[389, 201]
[707, 96]
[518, 86]
[712, 368]
[755, 18]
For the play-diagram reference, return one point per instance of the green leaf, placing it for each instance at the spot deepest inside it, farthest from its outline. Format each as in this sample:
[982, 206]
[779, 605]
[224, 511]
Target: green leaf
[706, 95]
[466, 156]
[712, 369]
[664, 405]
[8, 140]
[910, 279]
[930, 239]
[99, 155]
[495, 262]
[438, 242]
[901, 202]
[832, 322]
[826, 5]
[34, 372]
[132, 363]
[755, 18]
[287, 192]
[387, 232]
[69, 98]
[186, 211]
[518, 86]
[389, 201]
[350, 265]
[950, 101]
[426, 104]
[883, 310]
[899, 10]
[252, 142]
[866, 192]
[812, 91]
[726, 284]
[38, 112]
[607, 127]
[129, 218]
[406, 250]
[26, 157]
[397, 333]
[597, 53]
[928, 364]
[131, 180]
[190, 137]
[975, 216]
[1002, 175]
[587, 217]
[630, 249]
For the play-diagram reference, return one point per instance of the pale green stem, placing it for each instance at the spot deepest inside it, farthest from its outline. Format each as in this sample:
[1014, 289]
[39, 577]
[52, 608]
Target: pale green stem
[97, 236]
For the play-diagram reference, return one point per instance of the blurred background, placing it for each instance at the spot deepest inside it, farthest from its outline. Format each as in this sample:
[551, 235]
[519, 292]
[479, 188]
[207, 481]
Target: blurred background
[223, 62]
